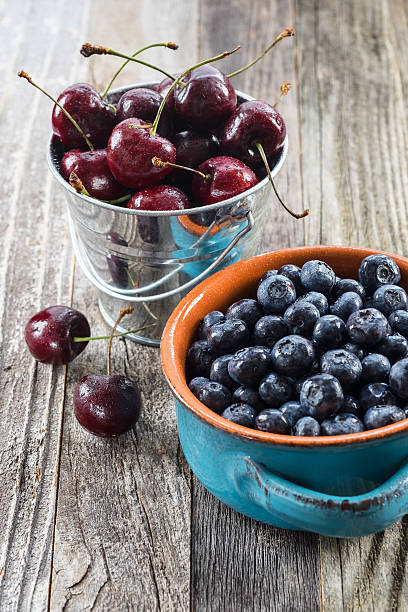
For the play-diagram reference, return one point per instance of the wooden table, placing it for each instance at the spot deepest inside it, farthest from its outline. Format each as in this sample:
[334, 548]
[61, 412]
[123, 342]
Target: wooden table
[122, 524]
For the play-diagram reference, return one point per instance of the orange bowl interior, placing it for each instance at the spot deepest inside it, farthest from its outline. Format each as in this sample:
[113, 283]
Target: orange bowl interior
[239, 281]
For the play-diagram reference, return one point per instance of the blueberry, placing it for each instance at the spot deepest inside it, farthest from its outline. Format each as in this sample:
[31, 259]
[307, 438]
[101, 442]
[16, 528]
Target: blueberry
[248, 395]
[273, 421]
[376, 368]
[367, 327]
[329, 332]
[293, 272]
[376, 394]
[345, 366]
[307, 426]
[354, 348]
[196, 383]
[346, 304]
[210, 319]
[393, 346]
[246, 310]
[200, 356]
[241, 414]
[344, 285]
[380, 416]
[317, 276]
[399, 378]
[219, 372]
[302, 316]
[388, 298]
[341, 424]
[267, 274]
[292, 411]
[376, 270]
[321, 396]
[276, 293]
[213, 395]
[293, 355]
[350, 405]
[317, 299]
[229, 336]
[249, 365]
[269, 329]
[399, 322]
[275, 390]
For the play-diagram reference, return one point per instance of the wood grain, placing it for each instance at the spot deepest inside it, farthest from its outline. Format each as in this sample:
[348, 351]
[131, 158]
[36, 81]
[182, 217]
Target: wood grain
[36, 271]
[239, 564]
[353, 84]
[123, 519]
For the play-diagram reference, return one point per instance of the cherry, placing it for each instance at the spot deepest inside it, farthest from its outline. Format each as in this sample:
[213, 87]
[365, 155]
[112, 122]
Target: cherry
[107, 405]
[94, 115]
[93, 170]
[225, 177]
[50, 334]
[206, 98]
[159, 197]
[144, 104]
[192, 148]
[163, 87]
[118, 267]
[130, 151]
[253, 121]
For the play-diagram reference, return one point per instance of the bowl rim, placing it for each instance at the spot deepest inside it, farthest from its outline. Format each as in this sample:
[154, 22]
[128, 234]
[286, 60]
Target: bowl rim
[164, 213]
[173, 365]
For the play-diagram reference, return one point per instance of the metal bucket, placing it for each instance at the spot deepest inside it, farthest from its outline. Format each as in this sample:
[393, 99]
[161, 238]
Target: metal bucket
[150, 260]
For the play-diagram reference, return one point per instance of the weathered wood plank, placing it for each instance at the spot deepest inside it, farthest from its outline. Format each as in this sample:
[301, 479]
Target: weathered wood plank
[237, 563]
[36, 271]
[353, 86]
[123, 520]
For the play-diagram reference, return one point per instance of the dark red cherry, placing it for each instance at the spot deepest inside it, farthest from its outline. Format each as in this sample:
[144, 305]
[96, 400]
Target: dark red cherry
[130, 152]
[144, 103]
[163, 87]
[118, 266]
[107, 405]
[159, 197]
[50, 334]
[207, 100]
[93, 114]
[253, 121]
[192, 148]
[93, 170]
[227, 178]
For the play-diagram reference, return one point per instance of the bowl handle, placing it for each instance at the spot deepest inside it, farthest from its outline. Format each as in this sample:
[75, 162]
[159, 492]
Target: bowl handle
[330, 515]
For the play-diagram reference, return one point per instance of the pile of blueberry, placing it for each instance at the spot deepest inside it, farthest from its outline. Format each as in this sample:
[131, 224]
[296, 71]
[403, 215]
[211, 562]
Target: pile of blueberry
[313, 355]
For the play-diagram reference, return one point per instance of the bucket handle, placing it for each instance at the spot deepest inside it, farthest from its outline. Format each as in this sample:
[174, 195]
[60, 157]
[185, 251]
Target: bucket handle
[105, 288]
[329, 515]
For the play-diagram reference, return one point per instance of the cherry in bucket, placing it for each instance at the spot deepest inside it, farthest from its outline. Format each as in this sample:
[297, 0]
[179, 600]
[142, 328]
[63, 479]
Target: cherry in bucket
[107, 404]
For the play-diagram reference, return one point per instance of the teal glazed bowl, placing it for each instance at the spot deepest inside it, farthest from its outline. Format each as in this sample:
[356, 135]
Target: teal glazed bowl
[343, 486]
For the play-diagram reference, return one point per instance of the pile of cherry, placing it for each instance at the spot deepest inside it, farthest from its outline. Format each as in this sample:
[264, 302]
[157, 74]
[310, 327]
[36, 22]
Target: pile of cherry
[178, 145]
[312, 355]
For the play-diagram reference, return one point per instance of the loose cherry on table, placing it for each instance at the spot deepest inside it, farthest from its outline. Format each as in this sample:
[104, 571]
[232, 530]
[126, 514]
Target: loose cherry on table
[217, 179]
[110, 404]
[93, 170]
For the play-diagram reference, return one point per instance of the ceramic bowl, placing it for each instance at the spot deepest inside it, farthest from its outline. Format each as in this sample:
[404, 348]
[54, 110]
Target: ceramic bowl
[343, 486]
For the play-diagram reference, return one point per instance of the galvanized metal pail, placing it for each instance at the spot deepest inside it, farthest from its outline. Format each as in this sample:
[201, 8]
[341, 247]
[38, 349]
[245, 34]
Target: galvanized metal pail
[150, 260]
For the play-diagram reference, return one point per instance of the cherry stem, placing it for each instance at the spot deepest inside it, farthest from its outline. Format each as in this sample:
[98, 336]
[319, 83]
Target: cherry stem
[24, 75]
[87, 50]
[125, 311]
[130, 331]
[79, 187]
[158, 163]
[260, 148]
[169, 45]
[282, 35]
[284, 90]
[179, 79]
